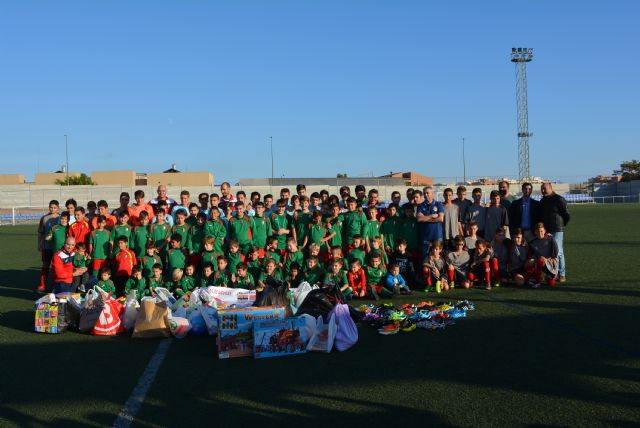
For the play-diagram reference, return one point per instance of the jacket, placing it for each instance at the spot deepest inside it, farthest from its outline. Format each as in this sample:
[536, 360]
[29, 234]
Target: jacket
[554, 213]
[515, 214]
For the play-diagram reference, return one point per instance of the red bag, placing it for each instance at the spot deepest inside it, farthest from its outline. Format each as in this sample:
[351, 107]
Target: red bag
[109, 321]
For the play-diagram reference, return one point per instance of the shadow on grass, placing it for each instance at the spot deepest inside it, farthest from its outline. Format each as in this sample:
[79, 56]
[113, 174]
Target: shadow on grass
[19, 283]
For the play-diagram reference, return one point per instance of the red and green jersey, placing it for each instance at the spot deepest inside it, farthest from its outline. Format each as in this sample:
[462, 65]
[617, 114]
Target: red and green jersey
[107, 286]
[255, 269]
[302, 221]
[293, 257]
[216, 229]
[356, 254]
[176, 259]
[139, 285]
[139, 237]
[147, 262]
[317, 232]
[160, 234]
[121, 230]
[240, 228]
[246, 282]
[372, 229]
[206, 281]
[390, 228]
[194, 239]
[184, 285]
[210, 257]
[375, 275]
[100, 243]
[234, 260]
[336, 226]
[183, 231]
[192, 220]
[125, 261]
[261, 230]
[275, 255]
[81, 260]
[354, 224]
[155, 283]
[275, 275]
[384, 259]
[335, 280]
[222, 278]
[58, 236]
[280, 222]
[409, 232]
[314, 276]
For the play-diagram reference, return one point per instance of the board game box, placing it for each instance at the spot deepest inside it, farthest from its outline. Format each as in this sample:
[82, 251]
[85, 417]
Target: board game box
[235, 329]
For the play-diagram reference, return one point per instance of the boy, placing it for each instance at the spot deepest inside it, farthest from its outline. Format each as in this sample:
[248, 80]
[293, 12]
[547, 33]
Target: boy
[136, 283]
[254, 264]
[358, 281]
[302, 220]
[160, 233]
[194, 210]
[390, 228]
[402, 258]
[355, 250]
[176, 258]
[314, 274]
[222, 277]
[217, 230]
[150, 260]
[80, 230]
[208, 254]
[242, 279]
[195, 237]
[140, 235]
[437, 267]
[268, 205]
[500, 248]
[103, 210]
[122, 228]
[100, 245]
[138, 208]
[452, 225]
[293, 256]
[395, 282]
[334, 226]
[295, 276]
[189, 276]
[168, 218]
[272, 251]
[376, 244]
[281, 225]
[458, 264]
[354, 221]
[46, 246]
[480, 268]
[375, 273]
[477, 212]
[318, 232]
[372, 229]
[81, 262]
[336, 279]
[208, 275]
[234, 256]
[181, 228]
[409, 230]
[270, 272]
[261, 227]
[105, 282]
[240, 228]
[462, 202]
[156, 279]
[125, 260]
[496, 218]
[472, 236]
[59, 232]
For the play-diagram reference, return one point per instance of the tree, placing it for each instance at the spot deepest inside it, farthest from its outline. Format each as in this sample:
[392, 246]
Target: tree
[341, 175]
[629, 170]
[77, 180]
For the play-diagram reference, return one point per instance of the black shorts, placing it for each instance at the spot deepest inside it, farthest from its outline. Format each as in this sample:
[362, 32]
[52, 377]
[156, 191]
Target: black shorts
[47, 256]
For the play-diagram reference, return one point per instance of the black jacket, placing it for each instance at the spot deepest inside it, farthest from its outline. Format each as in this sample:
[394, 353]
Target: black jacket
[554, 213]
[515, 214]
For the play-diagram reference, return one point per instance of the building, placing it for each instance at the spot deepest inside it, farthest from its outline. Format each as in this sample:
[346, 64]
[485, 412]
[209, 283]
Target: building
[114, 178]
[49, 178]
[411, 178]
[8, 179]
[605, 179]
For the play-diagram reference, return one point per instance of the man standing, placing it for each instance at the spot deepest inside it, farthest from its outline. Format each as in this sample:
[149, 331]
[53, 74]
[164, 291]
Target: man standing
[162, 196]
[430, 216]
[524, 212]
[139, 206]
[185, 197]
[555, 216]
[462, 202]
[226, 196]
[505, 197]
[46, 247]
[62, 268]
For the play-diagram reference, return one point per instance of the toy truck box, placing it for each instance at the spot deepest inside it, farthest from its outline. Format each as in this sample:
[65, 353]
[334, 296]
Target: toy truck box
[235, 329]
[279, 338]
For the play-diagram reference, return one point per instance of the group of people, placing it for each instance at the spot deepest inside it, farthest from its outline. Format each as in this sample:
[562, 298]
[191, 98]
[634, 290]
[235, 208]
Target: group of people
[353, 243]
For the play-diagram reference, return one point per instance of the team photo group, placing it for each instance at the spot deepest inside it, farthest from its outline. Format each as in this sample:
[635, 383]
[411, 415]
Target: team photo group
[354, 243]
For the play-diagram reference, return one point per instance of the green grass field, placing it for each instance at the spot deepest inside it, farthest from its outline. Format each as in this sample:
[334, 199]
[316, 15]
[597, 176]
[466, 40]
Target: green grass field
[563, 356]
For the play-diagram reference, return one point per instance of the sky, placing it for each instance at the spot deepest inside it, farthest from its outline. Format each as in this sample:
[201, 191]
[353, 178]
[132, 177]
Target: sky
[356, 87]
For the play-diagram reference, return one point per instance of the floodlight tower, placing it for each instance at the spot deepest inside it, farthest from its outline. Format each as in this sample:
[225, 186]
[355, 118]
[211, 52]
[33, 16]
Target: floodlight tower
[521, 56]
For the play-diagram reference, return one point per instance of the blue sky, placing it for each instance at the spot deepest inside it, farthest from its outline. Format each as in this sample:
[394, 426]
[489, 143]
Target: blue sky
[362, 87]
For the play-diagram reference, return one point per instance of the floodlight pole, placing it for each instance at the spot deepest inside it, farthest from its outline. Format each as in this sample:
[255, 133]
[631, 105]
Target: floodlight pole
[66, 150]
[464, 165]
[271, 141]
[521, 56]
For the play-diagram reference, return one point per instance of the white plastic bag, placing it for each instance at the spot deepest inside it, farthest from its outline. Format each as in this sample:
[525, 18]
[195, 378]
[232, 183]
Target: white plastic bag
[179, 327]
[322, 340]
[299, 294]
[164, 295]
[210, 316]
[198, 325]
[131, 306]
[310, 325]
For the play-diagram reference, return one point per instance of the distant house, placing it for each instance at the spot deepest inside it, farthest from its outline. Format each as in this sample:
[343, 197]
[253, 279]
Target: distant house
[411, 178]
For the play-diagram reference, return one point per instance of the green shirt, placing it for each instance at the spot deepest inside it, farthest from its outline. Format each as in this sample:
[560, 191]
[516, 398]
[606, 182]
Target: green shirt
[356, 254]
[246, 282]
[210, 257]
[183, 231]
[384, 259]
[391, 230]
[293, 257]
[58, 236]
[80, 261]
[192, 220]
[336, 226]
[302, 222]
[317, 231]
[275, 275]
[176, 259]
[240, 229]
[121, 230]
[184, 285]
[140, 236]
[194, 239]
[275, 255]
[147, 263]
[375, 275]
[354, 224]
[139, 285]
[155, 283]
[372, 229]
[409, 232]
[222, 278]
[335, 280]
[234, 260]
[261, 230]
[218, 231]
[100, 242]
[255, 269]
[107, 286]
[280, 222]
[160, 234]
[206, 281]
[315, 275]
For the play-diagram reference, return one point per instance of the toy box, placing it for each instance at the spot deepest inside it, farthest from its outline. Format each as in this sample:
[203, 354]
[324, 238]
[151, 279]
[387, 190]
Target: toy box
[235, 329]
[50, 318]
[278, 338]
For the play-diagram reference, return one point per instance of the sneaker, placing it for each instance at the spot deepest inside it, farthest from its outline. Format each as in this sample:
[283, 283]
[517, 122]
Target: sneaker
[389, 329]
[81, 288]
[407, 326]
[487, 286]
[438, 287]
[452, 285]
[536, 285]
[397, 316]
[496, 284]
[562, 278]
[41, 288]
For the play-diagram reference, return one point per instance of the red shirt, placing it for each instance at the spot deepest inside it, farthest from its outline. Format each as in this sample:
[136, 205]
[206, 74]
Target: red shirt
[125, 260]
[111, 221]
[62, 267]
[357, 281]
[134, 213]
[80, 231]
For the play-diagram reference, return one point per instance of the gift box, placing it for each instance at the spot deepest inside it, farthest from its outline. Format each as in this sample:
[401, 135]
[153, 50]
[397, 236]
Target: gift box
[235, 329]
[50, 318]
[279, 338]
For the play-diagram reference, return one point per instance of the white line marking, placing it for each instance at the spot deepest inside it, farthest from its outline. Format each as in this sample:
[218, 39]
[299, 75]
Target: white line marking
[133, 404]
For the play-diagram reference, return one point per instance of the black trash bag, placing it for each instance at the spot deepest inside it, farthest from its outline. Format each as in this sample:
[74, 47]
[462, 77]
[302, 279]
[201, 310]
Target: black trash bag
[275, 293]
[319, 302]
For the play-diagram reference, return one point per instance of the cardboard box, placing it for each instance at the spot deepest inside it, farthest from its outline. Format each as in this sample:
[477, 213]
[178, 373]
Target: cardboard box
[279, 338]
[50, 318]
[235, 329]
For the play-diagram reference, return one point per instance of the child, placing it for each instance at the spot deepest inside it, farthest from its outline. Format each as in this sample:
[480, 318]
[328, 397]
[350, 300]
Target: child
[375, 274]
[372, 229]
[409, 230]
[79, 229]
[376, 248]
[302, 220]
[242, 279]
[318, 232]
[168, 218]
[81, 263]
[194, 240]
[254, 264]
[261, 228]
[336, 253]
[234, 256]
[103, 210]
[295, 275]
[122, 228]
[358, 281]
[402, 258]
[137, 283]
[293, 256]
[518, 256]
[160, 232]
[395, 282]
[544, 257]
[194, 210]
[240, 228]
[140, 235]
[149, 260]
[222, 278]
[216, 229]
[437, 267]
[500, 249]
[480, 267]
[390, 229]
[458, 264]
[156, 279]
[105, 282]
[176, 257]
[336, 279]
[59, 232]
[354, 221]
[100, 245]
[125, 260]
[181, 228]
[477, 213]
[281, 225]
[270, 272]
[180, 285]
[472, 236]
[272, 251]
[334, 226]
[496, 217]
[188, 278]
[314, 274]
[355, 250]
[208, 275]
[208, 254]
[452, 226]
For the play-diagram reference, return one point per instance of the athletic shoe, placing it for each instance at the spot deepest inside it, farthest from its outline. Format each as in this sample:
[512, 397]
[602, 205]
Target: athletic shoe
[438, 287]
[456, 313]
[41, 288]
[397, 316]
[487, 286]
[82, 289]
[562, 279]
[496, 284]
[536, 285]
[389, 329]
[452, 285]
[465, 305]
[407, 325]
[424, 304]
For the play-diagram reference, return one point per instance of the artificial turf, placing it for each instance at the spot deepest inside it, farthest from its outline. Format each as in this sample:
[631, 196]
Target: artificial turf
[567, 355]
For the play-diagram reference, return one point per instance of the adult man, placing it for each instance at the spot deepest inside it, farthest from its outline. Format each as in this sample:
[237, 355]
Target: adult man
[523, 213]
[62, 268]
[462, 202]
[505, 198]
[162, 196]
[46, 247]
[555, 216]
[139, 206]
[430, 216]
[183, 205]
[226, 197]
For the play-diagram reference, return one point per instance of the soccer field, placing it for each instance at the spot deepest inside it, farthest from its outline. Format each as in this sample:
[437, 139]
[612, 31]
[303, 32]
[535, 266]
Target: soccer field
[567, 355]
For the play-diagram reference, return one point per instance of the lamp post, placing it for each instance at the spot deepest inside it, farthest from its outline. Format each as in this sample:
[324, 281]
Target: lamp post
[271, 141]
[464, 165]
[66, 150]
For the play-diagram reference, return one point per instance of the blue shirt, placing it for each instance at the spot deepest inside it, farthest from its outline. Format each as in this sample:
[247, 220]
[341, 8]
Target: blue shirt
[430, 231]
[526, 213]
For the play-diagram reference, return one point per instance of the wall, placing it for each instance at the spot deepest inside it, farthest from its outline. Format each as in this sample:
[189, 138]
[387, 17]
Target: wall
[114, 178]
[180, 179]
[629, 188]
[8, 179]
[45, 178]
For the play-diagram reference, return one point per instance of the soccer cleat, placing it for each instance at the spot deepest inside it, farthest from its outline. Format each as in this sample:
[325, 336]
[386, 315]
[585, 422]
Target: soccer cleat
[389, 329]
[41, 288]
[452, 285]
[562, 278]
[407, 326]
[438, 287]
[456, 313]
[397, 316]
[487, 286]
[496, 284]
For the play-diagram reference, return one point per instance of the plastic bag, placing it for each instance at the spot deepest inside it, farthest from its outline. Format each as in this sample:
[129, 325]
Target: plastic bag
[198, 325]
[109, 321]
[319, 302]
[152, 319]
[74, 309]
[210, 316]
[346, 331]
[179, 327]
[299, 294]
[130, 311]
[164, 295]
[322, 339]
[310, 325]
[91, 311]
[275, 293]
